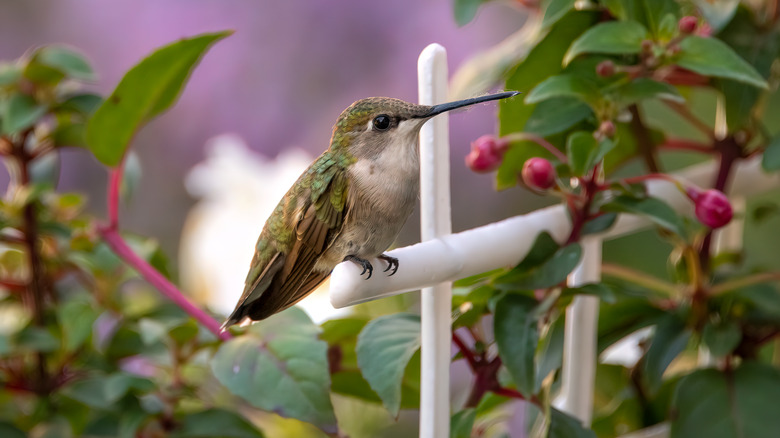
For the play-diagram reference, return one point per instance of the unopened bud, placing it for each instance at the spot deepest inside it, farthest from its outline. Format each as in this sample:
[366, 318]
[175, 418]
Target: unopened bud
[687, 24]
[713, 208]
[607, 128]
[486, 154]
[605, 69]
[538, 173]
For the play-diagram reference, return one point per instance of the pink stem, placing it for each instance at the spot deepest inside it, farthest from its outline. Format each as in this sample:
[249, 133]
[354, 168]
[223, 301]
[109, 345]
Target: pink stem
[687, 145]
[114, 183]
[151, 275]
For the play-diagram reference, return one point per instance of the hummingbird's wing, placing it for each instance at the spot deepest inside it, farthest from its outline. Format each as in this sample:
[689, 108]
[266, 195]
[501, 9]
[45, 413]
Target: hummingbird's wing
[278, 280]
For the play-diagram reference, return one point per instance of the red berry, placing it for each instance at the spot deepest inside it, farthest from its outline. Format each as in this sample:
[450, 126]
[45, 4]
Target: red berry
[605, 69]
[687, 24]
[486, 154]
[713, 208]
[538, 173]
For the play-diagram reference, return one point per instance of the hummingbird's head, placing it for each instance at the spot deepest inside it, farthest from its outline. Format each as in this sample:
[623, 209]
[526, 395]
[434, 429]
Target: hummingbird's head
[371, 125]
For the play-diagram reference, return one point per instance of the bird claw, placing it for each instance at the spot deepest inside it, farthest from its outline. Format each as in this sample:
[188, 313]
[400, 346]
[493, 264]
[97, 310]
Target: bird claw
[365, 264]
[392, 263]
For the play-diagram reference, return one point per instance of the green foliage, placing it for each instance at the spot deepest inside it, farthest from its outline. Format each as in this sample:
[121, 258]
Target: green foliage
[516, 337]
[147, 90]
[613, 37]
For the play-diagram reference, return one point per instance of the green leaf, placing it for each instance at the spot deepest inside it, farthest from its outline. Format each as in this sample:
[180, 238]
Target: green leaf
[465, 10]
[20, 112]
[8, 430]
[563, 425]
[85, 103]
[384, 349]
[144, 92]
[555, 10]
[564, 85]
[76, 318]
[215, 422]
[715, 404]
[669, 340]
[653, 209]
[712, 57]
[612, 37]
[619, 320]
[517, 336]
[579, 147]
[37, 339]
[600, 290]
[644, 88]
[66, 61]
[722, 338]
[657, 10]
[599, 224]
[280, 366]
[9, 74]
[549, 354]
[335, 330]
[462, 422]
[543, 267]
[542, 61]
[771, 159]
[557, 115]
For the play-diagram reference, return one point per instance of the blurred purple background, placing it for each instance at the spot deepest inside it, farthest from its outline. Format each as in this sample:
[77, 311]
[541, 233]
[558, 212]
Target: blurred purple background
[280, 81]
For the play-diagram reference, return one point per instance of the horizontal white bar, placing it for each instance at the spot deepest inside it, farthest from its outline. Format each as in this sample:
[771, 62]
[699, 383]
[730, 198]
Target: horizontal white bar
[505, 243]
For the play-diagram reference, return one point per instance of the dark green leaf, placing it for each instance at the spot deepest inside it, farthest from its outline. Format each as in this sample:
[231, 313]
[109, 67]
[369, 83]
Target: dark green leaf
[37, 339]
[563, 425]
[465, 10]
[144, 92]
[771, 159]
[762, 300]
[613, 37]
[557, 115]
[599, 224]
[543, 60]
[65, 60]
[600, 290]
[20, 112]
[580, 146]
[384, 349]
[85, 103]
[644, 88]
[549, 355]
[564, 85]
[653, 209]
[8, 430]
[669, 340]
[719, 405]
[215, 423]
[721, 338]
[477, 301]
[517, 336]
[619, 320]
[537, 273]
[555, 10]
[280, 365]
[462, 422]
[712, 57]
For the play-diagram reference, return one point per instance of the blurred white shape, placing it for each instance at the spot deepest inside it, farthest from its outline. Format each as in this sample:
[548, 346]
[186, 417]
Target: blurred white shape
[238, 189]
[626, 351]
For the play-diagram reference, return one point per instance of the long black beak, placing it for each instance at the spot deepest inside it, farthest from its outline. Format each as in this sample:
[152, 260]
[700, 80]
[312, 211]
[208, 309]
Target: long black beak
[444, 107]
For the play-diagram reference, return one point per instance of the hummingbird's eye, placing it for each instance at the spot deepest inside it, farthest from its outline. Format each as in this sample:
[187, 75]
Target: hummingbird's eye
[381, 122]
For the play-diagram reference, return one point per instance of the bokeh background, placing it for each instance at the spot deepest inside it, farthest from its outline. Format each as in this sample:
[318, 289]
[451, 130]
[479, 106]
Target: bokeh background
[278, 83]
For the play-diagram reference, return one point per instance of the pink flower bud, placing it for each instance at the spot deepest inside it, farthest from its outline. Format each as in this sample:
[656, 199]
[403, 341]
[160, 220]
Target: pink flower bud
[538, 173]
[687, 24]
[607, 128]
[605, 69]
[713, 208]
[486, 154]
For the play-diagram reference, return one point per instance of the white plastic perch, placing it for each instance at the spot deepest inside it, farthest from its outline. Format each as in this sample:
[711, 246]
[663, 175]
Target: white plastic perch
[505, 243]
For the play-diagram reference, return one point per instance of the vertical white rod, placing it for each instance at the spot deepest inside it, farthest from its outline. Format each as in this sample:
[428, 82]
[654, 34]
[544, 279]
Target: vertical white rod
[579, 342]
[435, 221]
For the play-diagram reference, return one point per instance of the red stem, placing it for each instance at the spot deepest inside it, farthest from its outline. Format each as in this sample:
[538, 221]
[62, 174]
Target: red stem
[687, 145]
[640, 178]
[114, 183]
[151, 275]
[465, 350]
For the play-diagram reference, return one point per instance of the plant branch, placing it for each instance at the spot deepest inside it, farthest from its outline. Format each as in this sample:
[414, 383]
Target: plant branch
[465, 351]
[669, 290]
[643, 141]
[114, 184]
[119, 246]
[763, 277]
[677, 144]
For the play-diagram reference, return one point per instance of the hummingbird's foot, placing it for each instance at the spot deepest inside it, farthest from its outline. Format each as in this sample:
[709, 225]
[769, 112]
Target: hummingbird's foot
[392, 263]
[362, 262]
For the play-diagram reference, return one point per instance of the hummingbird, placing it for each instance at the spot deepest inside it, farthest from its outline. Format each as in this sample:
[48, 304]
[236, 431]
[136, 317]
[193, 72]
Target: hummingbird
[349, 205]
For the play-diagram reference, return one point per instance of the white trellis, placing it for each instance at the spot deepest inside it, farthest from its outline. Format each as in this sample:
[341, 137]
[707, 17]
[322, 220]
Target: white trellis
[443, 257]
